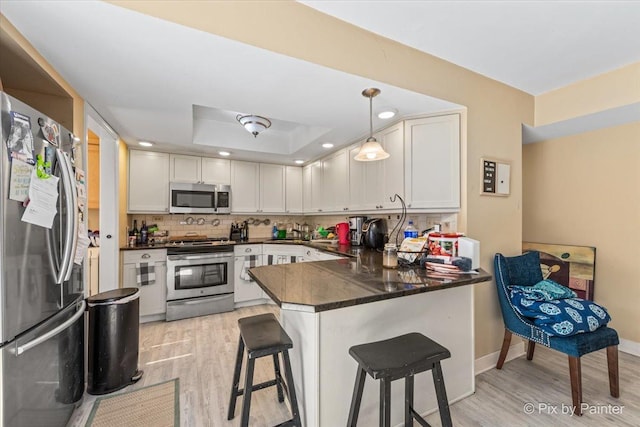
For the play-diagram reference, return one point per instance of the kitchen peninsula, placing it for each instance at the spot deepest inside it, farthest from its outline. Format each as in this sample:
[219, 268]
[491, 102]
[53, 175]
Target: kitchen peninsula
[328, 306]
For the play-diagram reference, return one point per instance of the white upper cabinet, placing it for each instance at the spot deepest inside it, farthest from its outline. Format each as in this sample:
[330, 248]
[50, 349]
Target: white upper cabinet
[216, 171]
[312, 188]
[272, 192]
[357, 181]
[293, 189]
[245, 186]
[432, 162]
[148, 182]
[392, 140]
[306, 189]
[257, 187]
[199, 170]
[371, 184]
[317, 188]
[335, 178]
[184, 169]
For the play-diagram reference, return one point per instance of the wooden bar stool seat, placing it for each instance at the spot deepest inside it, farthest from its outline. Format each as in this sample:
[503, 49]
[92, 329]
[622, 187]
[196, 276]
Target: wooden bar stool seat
[395, 358]
[262, 336]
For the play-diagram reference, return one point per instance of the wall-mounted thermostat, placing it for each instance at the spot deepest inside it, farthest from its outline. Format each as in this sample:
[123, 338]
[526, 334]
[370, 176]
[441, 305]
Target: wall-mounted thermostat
[495, 176]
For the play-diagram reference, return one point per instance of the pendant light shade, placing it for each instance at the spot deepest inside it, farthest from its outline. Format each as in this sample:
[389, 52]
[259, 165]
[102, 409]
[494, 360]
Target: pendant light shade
[254, 124]
[371, 150]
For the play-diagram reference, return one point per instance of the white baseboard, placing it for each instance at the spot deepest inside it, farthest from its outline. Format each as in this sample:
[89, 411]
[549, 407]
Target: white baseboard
[628, 346]
[489, 361]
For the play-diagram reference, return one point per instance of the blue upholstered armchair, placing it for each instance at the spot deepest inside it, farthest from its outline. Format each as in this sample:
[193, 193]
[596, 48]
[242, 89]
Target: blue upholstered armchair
[525, 270]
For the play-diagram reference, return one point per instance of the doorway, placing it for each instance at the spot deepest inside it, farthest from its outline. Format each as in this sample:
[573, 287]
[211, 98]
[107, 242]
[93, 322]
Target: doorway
[102, 201]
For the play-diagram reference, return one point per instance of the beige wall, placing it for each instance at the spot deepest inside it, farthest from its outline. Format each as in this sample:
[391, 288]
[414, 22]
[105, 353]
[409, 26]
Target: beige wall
[585, 190]
[494, 116]
[603, 92]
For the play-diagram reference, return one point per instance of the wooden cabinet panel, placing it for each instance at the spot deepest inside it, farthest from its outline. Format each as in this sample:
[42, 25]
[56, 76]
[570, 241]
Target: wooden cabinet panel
[93, 199]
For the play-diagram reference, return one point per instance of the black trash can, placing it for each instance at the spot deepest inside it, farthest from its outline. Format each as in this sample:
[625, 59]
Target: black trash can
[114, 326]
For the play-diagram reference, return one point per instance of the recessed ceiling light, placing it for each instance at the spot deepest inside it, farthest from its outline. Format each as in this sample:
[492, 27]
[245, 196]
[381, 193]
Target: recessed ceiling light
[387, 113]
[145, 143]
[224, 153]
[299, 162]
[327, 145]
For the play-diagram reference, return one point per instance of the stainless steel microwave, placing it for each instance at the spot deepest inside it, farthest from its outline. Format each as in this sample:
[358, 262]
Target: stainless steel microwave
[199, 198]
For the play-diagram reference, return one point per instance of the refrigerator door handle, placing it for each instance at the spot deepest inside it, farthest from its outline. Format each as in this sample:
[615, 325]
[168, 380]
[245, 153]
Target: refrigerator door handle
[76, 216]
[71, 237]
[18, 350]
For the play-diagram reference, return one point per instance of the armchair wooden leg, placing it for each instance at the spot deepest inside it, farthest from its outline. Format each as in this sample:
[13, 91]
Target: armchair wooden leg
[575, 373]
[531, 346]
[612, 362]
[505, 348]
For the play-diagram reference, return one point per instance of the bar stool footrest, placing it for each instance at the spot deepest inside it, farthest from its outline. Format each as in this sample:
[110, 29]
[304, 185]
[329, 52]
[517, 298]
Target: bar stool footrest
[418, 418]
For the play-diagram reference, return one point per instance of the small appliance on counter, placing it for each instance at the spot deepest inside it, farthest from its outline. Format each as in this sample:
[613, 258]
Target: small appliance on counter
[355, 229]
[342, 230]
[374, 233]
[239, 232]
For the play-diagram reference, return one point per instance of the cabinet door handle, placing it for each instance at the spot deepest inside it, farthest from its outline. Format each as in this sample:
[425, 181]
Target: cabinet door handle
[145, 256]
[247, 250]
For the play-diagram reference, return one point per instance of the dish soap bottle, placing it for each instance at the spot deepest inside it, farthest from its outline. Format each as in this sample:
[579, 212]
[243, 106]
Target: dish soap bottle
[274, 231]
[410, 231]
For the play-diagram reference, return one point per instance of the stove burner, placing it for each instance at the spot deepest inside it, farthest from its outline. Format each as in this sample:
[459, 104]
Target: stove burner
[201, 243]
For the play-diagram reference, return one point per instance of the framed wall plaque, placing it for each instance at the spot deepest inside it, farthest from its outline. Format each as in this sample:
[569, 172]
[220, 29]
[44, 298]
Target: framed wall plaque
[495, 176]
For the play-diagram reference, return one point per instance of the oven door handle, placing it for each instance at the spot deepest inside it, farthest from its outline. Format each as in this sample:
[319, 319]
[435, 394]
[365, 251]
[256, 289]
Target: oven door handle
[194, 257]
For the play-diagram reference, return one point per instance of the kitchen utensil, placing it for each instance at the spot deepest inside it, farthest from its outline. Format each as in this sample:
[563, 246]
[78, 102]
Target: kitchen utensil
[342, 229]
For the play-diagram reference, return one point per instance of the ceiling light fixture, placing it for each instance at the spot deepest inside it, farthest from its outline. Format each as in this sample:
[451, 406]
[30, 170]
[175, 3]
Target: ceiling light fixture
[327, 145]
[299, 162]
[145, 144]
[254, 124]
[371, 150]
[387, 113]
[224, 153]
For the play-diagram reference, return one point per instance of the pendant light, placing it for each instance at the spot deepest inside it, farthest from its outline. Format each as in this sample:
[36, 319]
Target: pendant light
[371, 150]
[254, 124]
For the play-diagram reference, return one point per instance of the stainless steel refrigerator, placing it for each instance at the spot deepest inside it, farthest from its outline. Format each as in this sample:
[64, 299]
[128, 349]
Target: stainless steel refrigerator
[41, 288]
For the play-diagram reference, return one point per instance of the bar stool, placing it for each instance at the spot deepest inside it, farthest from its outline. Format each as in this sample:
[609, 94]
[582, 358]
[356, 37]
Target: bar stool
[262, 335]
[395, 358]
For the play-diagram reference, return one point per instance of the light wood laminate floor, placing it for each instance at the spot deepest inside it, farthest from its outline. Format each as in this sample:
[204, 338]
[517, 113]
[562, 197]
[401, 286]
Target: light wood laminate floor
[201, 352]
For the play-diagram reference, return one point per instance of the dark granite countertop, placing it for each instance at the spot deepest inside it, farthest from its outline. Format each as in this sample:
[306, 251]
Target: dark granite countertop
[358, 279]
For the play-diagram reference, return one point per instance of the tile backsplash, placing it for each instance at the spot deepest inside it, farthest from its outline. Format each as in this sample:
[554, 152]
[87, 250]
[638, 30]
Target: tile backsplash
[176, 225]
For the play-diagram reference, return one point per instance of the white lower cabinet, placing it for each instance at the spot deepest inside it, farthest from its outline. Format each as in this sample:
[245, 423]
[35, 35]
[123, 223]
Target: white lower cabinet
[153, 297]
[245, 288]
[312, 254]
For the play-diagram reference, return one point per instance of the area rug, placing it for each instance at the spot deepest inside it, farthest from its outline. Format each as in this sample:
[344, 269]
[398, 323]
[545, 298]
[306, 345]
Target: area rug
[156, 405]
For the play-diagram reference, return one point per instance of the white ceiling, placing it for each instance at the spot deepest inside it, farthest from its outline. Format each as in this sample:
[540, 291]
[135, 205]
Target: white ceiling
[182, 88]
[535, 46]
